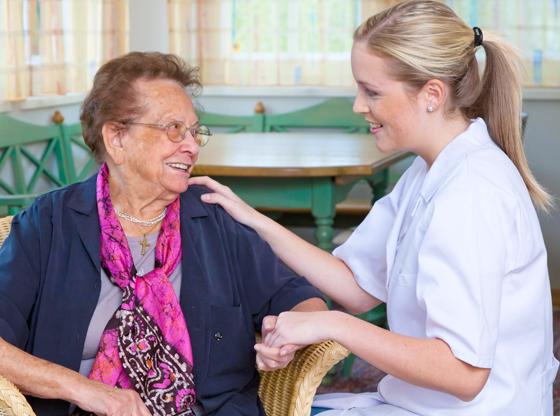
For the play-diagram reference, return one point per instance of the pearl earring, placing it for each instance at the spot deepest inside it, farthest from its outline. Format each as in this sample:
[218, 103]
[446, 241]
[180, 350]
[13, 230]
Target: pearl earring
[430, 108]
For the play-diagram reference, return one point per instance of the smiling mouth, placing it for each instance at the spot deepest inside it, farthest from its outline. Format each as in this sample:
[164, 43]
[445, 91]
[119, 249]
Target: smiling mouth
[183, 167]
[374, 126]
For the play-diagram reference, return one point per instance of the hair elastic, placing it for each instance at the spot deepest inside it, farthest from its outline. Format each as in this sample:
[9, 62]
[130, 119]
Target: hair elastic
[478, 37]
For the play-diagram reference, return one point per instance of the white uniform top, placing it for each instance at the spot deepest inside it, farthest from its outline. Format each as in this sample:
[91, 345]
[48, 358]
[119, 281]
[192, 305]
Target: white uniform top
[457, 253]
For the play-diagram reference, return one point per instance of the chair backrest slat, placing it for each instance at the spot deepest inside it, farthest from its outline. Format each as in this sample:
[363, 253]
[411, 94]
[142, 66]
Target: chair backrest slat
[233, 124]
[331, 114]
[81, 163]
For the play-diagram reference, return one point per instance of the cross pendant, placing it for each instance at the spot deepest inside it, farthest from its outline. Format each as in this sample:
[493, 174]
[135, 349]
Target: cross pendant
[144, 244]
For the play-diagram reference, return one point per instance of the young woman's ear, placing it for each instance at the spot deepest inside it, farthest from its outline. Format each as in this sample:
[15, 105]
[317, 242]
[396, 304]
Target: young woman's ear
[113, 133]
[433, 95]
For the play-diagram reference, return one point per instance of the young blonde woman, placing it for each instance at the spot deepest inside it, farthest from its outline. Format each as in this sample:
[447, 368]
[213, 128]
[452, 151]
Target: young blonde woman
[455, 250]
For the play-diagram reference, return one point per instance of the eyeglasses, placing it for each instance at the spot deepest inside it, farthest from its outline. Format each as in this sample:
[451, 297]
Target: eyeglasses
[177, 131]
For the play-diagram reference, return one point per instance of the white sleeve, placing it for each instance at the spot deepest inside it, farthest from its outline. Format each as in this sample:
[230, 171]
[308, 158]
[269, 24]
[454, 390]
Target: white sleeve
[365, 251]
[461, 267]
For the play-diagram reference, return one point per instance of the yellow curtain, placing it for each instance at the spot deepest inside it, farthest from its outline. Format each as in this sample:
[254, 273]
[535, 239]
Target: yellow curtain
[55, 46]
[268, 42]
[532, 26]
[14, 74]
[307, 42]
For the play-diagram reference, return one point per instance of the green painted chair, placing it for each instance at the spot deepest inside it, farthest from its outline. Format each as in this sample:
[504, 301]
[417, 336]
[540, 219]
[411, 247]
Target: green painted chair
[81, 163]
[333, 113]
[32, 161]
[524, 119]
[233, 124]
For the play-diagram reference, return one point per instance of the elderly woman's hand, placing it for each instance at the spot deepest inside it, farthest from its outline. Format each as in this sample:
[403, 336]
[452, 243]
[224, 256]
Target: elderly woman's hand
[225, 197]
[273, 358]
[104, 400]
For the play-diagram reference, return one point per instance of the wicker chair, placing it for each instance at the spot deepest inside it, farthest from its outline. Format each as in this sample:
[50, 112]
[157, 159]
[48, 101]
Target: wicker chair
[285, 392]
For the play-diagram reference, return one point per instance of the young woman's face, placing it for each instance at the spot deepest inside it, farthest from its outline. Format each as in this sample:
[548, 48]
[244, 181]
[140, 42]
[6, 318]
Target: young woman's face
[393, 112]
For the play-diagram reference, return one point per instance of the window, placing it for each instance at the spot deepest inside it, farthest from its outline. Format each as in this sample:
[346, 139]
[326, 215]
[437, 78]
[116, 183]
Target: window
[55, 46]
[268, 42]
[531, 25]
[307, 42]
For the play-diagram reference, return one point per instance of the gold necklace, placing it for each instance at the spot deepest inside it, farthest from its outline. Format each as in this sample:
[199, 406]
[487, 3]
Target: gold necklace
[144, 245]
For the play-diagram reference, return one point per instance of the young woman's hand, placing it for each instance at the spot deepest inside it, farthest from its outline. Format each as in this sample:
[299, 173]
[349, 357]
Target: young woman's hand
[299, 328]
[273, 358]
[225, 197]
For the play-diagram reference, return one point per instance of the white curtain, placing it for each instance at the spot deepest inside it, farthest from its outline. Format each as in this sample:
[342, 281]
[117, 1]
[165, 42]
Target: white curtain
[55, 46]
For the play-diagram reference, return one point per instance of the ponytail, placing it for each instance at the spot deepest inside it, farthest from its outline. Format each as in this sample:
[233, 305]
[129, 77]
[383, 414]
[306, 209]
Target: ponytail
[499, 104]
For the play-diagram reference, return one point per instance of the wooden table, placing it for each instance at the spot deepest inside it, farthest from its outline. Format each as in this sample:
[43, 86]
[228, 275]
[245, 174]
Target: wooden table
[295, 170]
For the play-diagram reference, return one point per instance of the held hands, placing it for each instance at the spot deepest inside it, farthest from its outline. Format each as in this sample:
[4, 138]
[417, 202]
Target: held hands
[225, 197]
[283, 335]
[273, 358]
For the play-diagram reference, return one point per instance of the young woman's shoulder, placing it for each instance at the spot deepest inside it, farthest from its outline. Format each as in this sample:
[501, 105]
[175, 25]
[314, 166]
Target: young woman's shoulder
[490, 174]
[480, 170]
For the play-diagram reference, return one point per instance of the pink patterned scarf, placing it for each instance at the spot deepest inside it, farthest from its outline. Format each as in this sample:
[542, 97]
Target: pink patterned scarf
[146, 345]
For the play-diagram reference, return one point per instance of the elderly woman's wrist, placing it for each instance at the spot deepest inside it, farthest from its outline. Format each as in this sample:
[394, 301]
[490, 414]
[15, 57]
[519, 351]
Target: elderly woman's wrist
[72, 388]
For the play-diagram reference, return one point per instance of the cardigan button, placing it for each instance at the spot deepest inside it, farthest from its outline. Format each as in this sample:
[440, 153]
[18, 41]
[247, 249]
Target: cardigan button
[218, 336]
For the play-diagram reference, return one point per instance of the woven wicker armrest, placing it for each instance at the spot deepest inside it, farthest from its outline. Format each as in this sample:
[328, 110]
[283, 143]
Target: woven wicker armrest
[5, 225]
[12, 402]
[290, 391]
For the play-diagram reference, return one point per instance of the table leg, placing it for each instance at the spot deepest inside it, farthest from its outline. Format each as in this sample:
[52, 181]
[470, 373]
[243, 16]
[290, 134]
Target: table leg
[378, 183]
[323, 211]
[324, 233]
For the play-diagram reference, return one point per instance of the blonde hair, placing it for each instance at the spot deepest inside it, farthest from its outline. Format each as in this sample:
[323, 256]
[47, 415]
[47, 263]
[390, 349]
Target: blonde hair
[425, 39]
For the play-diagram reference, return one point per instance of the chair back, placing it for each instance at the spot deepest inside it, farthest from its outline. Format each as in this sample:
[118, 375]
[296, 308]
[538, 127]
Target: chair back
[81, 163]
[524, 119]
[331, 114]
[32, 158]
[232, 124]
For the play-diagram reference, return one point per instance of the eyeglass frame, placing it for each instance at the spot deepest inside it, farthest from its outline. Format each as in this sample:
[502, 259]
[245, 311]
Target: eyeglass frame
[194, 131]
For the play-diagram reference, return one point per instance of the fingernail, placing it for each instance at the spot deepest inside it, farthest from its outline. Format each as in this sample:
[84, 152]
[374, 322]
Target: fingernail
[205, 197]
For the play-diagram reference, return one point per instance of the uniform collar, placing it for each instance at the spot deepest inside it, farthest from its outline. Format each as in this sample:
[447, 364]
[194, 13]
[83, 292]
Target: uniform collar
[474, 138]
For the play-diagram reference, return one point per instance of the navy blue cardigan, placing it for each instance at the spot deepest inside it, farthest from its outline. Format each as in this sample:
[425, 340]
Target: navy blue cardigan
[50, 284]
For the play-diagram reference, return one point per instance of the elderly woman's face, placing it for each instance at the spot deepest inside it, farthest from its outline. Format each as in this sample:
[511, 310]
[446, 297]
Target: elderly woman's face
[151, 158]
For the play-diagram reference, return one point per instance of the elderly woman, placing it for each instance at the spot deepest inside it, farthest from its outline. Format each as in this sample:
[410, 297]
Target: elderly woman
[126, 295]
